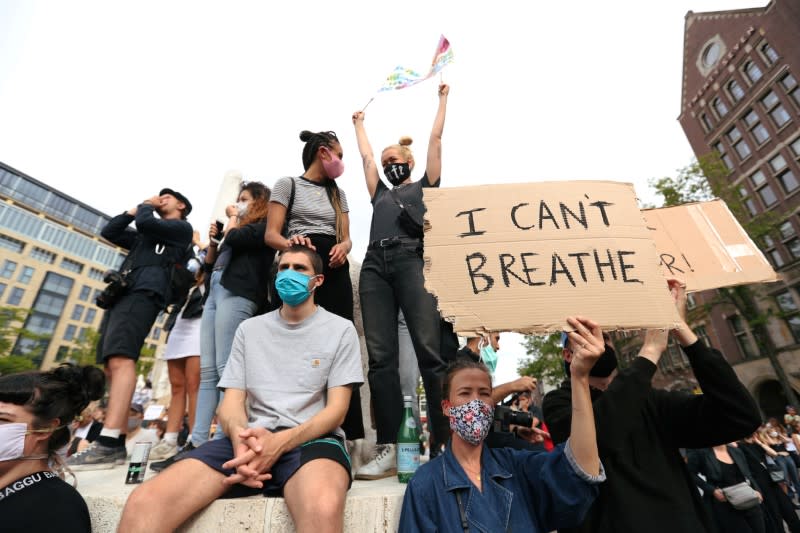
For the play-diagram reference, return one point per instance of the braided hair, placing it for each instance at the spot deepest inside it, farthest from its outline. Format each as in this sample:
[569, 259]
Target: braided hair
[314, 141]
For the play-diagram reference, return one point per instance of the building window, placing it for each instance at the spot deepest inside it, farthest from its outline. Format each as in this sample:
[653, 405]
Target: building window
[748, 201]
[156, 333]
[790, 85]
[776, 258]
[10, 243]
[62, 353]
[796, 147]
[3, 287]
[763, 188]
[775, 109]
[16, 296]
[8, 269]
[726, 159]
[788, 181]
[77, 312]
[72, 266]
[735, 90]
[69, 333]
[25, 275]
[719, 107]
[794, 247]
[711, 54]
[777, 163]
[769, 53]
[90, 314]
[742, 338]
[757, 129]
[786, 229]
[789, 308]
[82, 335]
[706, 122]
[43, 255]
[742, 148]
[96, 274]
[85, 292]
[752, 71]
[702, 334]
[691, 303]
[95, 294]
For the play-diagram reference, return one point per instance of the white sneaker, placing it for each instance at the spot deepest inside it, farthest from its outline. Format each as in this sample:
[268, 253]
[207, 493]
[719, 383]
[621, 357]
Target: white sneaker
[383, 465]
[163, 450]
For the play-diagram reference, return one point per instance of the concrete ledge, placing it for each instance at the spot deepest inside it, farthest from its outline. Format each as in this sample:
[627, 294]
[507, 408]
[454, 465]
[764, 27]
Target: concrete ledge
[372, 506]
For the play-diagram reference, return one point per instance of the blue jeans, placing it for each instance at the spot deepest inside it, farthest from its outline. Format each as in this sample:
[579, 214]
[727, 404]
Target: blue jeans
[392, 279]
[222, 314]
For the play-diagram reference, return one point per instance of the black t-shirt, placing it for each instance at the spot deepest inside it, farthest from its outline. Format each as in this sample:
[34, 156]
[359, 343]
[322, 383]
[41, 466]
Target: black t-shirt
[385, 210]
[42, 502]
[729, 474]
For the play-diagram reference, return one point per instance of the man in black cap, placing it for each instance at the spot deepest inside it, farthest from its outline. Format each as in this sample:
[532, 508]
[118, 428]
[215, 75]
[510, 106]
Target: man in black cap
[641, 429]
[141, 290]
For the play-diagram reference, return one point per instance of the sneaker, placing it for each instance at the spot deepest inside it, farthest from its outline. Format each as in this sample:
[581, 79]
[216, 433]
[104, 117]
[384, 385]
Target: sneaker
[158, 466]
[163, 450]
[97, 457]
[383, 465]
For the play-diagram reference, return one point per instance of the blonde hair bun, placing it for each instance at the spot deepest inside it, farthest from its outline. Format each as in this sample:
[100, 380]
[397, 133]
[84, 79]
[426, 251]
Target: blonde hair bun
[405, 140]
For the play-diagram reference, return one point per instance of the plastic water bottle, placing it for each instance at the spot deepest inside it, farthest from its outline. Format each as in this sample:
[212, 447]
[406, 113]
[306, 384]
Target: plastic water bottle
[407, 444]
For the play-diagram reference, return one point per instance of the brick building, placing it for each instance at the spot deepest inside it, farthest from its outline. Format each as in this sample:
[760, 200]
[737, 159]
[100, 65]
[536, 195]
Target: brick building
[740, 98]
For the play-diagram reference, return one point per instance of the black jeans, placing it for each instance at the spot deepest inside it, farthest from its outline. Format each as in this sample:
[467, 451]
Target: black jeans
[336, 296]
[391, 278]
[730, 519]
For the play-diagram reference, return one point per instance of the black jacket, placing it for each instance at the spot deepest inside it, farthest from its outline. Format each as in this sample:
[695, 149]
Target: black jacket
[159, 244]
[705, 462]
[639, 432]
[247, 273]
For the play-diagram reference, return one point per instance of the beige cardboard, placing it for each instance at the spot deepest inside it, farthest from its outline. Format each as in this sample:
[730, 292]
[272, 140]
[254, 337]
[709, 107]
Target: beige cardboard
[227, 194]
[704, 245]
[464, 224]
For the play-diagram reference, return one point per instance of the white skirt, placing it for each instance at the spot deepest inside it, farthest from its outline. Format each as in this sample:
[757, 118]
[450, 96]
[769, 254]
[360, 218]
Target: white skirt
[184, 339]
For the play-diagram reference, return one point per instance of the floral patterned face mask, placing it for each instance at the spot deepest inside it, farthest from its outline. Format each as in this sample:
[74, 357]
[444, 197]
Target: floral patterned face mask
[472, 420]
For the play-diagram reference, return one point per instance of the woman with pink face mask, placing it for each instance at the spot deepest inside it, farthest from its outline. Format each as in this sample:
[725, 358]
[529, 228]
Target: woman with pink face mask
[311, 210]
[36, 412]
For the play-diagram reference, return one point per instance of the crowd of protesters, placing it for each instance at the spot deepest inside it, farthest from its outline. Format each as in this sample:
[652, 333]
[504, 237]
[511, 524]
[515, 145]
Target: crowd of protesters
[264, 367]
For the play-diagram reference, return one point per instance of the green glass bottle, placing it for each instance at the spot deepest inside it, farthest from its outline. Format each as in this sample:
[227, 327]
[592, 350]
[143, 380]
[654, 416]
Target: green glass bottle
[407, 444]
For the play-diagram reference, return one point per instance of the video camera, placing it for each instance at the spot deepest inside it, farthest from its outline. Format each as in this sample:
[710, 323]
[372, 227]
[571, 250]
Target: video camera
[505, 417]
[117, 285]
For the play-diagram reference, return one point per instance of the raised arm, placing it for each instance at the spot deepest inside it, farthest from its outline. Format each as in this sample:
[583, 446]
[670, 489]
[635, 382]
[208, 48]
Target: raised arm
[723, 413]
[118, 230]
[588, 346]
[175, 232]
[525, 383]
[367, 157]
[433, 167]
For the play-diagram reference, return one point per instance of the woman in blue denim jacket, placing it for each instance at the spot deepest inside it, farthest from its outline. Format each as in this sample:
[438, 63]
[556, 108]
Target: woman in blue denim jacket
[472, 487]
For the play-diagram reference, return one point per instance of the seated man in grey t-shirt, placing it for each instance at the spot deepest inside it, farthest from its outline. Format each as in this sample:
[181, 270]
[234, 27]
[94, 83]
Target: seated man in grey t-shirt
[287, 388]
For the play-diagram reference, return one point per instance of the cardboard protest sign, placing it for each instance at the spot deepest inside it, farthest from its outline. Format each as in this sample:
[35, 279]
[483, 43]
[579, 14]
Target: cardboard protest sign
[523, 257]
[704, 245]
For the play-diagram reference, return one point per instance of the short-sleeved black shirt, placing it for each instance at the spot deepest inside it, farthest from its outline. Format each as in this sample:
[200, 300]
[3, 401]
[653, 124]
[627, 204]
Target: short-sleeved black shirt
[42, 502]
[385, 210]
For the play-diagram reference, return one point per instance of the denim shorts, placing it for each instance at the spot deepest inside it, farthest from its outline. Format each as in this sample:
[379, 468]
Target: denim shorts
[215, 453]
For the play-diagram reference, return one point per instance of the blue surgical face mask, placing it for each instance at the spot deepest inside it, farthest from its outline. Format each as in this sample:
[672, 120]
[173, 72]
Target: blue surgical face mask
[292, 286]
[489, 358]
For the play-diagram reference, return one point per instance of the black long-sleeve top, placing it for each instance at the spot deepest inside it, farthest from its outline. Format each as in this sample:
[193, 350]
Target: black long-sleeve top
[247, 273]
[149, 270]
[639, 433]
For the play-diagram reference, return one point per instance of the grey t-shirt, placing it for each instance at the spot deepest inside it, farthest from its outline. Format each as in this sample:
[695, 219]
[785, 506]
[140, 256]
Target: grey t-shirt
[385, 210]
[286, 369]
[312, 212]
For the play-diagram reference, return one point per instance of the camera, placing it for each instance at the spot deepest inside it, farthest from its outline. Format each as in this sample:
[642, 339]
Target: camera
[505, 417]
[117, 283]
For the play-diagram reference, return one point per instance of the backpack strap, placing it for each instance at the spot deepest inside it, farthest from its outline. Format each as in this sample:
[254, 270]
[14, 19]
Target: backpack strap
[285, 231]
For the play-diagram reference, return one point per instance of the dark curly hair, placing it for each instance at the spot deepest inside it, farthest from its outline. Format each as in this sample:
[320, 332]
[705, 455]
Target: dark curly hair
[61, 393]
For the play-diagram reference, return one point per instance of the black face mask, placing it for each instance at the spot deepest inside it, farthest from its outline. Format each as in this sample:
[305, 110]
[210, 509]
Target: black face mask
[397, 173]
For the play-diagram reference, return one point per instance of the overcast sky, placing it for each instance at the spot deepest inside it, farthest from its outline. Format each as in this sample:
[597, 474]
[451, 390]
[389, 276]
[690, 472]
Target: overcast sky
[110, 101]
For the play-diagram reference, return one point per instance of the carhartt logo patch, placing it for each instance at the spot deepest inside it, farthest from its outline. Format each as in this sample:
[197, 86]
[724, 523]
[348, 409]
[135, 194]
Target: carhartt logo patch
[315, 363]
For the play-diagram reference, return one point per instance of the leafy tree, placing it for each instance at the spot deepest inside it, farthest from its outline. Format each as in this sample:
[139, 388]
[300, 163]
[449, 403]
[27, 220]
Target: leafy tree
[704, 179]
[544, 360]
[12, 364]
[11, 321]
[84, 353]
